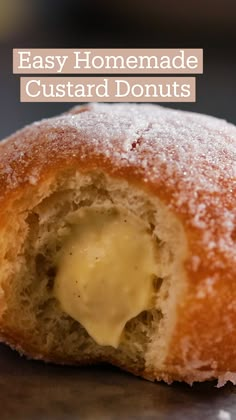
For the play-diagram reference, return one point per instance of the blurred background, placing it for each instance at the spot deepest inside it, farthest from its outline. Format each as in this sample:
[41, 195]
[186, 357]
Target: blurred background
[208, 24]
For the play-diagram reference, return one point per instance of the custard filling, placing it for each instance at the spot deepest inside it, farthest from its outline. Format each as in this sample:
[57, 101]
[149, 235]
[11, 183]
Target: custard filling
[105, 273]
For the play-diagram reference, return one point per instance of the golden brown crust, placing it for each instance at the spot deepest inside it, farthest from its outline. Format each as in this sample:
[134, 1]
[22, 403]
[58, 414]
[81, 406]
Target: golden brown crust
[189, 162]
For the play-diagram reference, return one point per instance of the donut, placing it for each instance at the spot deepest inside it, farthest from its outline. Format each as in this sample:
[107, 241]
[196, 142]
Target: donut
[118, 241]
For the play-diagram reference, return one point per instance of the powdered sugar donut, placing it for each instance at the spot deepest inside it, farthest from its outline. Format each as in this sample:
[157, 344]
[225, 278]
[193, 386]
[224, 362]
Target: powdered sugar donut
[172, 176]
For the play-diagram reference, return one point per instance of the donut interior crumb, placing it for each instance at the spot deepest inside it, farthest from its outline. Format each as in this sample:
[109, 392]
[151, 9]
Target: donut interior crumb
[46, 227]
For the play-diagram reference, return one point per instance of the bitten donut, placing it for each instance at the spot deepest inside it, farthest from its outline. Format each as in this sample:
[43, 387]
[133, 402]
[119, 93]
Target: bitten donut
[118, 241]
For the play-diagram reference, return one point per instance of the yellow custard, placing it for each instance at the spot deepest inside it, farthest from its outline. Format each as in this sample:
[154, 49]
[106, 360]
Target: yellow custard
[105, 274]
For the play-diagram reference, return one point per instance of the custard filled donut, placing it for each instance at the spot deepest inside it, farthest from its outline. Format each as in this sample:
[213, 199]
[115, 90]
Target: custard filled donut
[117, 241]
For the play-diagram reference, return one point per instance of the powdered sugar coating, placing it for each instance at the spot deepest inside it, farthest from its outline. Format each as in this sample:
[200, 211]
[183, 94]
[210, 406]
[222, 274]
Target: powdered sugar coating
[191, 156]
[189, 161]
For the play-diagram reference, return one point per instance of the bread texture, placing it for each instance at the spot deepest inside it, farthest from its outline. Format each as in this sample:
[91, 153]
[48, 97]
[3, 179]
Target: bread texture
[175, 171]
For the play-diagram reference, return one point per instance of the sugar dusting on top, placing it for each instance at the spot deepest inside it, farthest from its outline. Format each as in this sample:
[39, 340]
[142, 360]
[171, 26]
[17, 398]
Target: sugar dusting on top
[188, 159]
[191, 156]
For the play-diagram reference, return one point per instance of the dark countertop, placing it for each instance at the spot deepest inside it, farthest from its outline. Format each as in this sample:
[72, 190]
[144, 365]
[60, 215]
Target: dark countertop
[35, 391]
